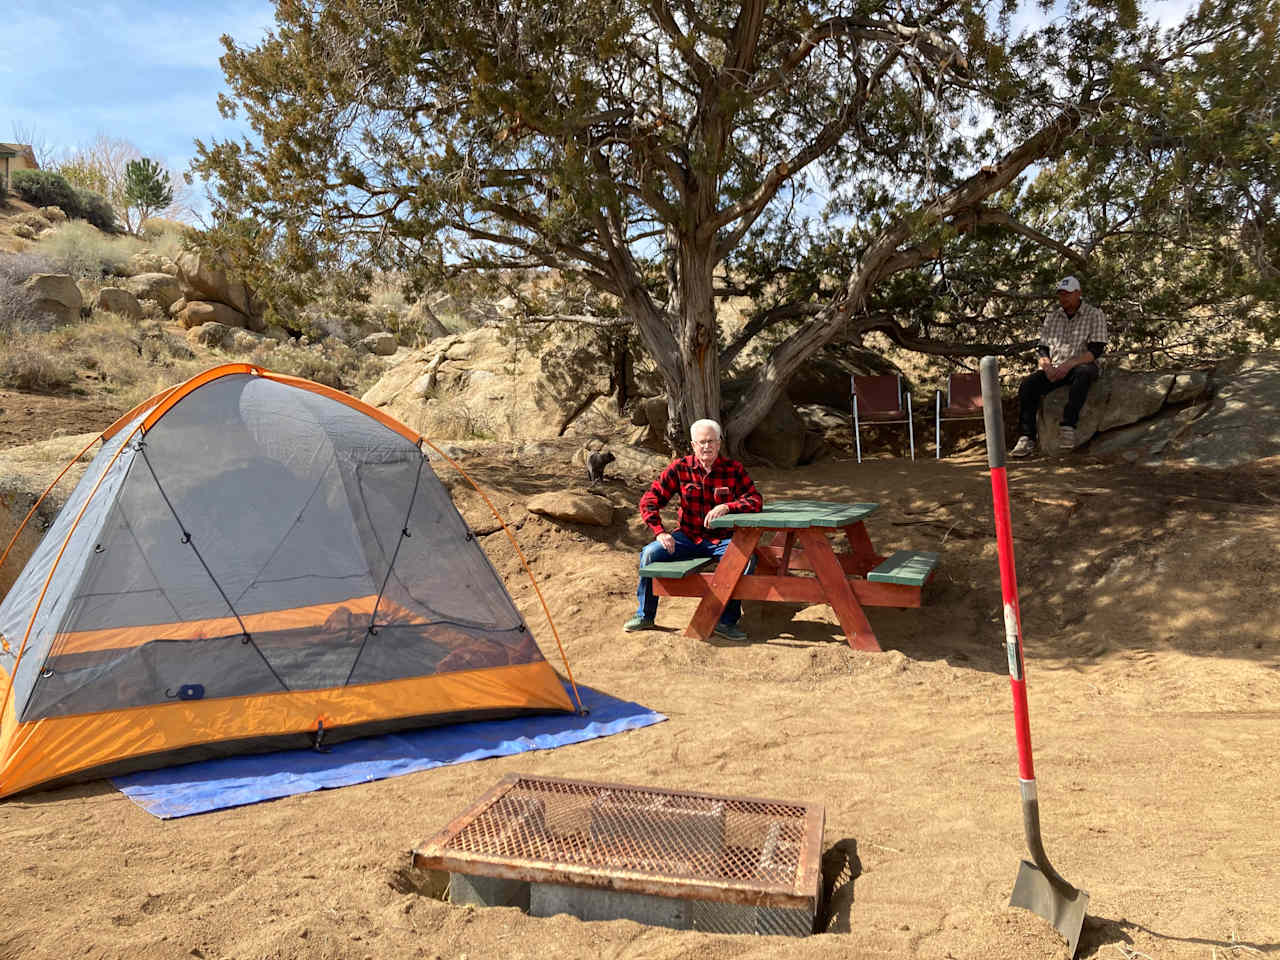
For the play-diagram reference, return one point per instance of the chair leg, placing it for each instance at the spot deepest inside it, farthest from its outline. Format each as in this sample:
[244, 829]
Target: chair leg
[937, 424]
[857, 436]
[911, 427]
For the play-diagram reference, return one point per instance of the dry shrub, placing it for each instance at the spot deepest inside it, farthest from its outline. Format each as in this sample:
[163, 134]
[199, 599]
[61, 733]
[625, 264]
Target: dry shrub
[78, 249]
[166, 237]
[452, 418]
[128, 359]
[332, 363]
[25, 366]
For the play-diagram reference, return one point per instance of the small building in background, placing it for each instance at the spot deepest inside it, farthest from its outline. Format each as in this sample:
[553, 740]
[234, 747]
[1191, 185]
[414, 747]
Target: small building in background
[14, 157]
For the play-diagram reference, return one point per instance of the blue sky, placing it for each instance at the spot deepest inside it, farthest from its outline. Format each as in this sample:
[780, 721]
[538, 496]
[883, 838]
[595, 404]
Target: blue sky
[137, 71]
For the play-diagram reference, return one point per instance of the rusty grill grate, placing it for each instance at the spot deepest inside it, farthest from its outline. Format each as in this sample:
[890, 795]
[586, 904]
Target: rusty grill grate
[638, 839]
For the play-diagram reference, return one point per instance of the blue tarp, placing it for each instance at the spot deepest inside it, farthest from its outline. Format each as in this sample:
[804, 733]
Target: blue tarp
[250, 778]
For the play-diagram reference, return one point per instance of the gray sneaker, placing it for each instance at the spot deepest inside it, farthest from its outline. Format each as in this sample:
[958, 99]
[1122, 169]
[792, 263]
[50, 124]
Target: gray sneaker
[1025, 447]
[1067, 438]
[730, 631]
[638, 623]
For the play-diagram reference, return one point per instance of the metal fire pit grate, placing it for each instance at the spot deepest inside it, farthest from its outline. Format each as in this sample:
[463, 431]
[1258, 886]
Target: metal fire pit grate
[640, 840]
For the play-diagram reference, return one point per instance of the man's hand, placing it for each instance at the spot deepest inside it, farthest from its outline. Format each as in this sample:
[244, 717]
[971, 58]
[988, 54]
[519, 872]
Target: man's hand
[1057, 373]
[719, 510]
[668, 542]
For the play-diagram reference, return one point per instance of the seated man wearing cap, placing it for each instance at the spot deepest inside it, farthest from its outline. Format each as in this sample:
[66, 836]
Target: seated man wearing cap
[1071, 341]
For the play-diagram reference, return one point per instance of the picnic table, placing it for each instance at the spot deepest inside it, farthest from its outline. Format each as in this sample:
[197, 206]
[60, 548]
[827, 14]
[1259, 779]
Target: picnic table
[795, 563]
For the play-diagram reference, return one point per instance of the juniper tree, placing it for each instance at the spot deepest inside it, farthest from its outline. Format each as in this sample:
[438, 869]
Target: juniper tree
[820, 156]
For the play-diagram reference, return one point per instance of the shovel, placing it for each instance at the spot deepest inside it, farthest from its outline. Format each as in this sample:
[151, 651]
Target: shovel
[1038, 888]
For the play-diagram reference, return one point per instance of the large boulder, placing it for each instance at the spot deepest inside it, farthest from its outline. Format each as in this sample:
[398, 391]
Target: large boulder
[382, 344]
[1119, 398]
[205, 278]
[56, 295]
[158, 286]
[198, 312]
[778, 439]
[484, 385]
[639, 462]
[1242, 422]
[149, 261]
[824, 379]
[211, 334]
[119, 301]
[573, 508]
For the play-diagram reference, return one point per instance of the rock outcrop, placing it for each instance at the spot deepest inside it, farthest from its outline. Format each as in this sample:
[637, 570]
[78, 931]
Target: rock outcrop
[119, 301]
[570, 507]
[481, 385]
[158, 286]
[1120, 398]
[55, 295]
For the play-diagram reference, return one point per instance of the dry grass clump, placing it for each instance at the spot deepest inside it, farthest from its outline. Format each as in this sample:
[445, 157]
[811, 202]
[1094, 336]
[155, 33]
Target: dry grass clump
[167, 238]
[27, 367]
[130, 361]
[78, 249]
[333, 363]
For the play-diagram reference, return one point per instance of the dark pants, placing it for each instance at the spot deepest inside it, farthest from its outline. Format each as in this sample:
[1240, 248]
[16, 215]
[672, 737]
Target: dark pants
[1037, 386]
[686, 549]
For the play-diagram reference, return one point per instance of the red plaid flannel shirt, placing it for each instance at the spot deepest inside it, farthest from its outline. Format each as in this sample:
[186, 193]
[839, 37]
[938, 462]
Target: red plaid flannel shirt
[700, 490]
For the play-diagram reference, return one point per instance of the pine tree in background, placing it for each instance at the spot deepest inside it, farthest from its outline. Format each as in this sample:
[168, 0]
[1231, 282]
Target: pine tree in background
[147, 190]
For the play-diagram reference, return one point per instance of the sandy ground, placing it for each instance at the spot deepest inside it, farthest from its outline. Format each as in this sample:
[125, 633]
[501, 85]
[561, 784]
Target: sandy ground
[1153, 661]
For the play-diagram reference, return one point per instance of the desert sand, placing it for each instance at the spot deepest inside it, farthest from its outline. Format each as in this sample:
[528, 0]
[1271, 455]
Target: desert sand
[1153, 663]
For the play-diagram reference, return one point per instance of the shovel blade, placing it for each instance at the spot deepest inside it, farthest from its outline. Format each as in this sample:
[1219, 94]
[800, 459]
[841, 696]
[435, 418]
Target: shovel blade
[1063, 909]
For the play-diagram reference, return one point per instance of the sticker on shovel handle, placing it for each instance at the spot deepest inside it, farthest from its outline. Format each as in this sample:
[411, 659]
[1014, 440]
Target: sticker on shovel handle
[1011, 641]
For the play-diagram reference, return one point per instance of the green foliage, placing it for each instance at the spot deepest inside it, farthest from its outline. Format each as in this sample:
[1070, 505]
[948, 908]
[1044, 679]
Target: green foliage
[95, 208]
[87, 176]
[146, 188]
[44, 188]
[852, 169]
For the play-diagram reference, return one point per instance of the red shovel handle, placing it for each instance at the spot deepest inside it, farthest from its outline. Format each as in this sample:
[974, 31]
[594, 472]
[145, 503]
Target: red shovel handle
[993, 416]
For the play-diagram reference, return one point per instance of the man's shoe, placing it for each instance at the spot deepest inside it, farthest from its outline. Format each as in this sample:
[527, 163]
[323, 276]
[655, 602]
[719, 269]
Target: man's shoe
[1023, 448]
[1067, 438]
[730, 631]
[638, 623]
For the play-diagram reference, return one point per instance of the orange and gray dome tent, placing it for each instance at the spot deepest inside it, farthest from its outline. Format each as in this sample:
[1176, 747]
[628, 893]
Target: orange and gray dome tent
[253, 562]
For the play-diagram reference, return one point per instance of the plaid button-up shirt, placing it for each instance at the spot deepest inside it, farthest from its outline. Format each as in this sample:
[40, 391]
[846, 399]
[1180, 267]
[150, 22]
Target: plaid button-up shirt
[700, 490]
[1066, 337]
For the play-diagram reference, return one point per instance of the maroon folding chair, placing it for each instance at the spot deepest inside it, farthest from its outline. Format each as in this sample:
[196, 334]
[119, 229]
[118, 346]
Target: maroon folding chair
[964, 402]
[880, 399]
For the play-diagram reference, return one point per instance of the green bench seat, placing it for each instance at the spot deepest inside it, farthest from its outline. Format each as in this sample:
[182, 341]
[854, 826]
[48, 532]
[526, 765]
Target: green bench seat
[911, 568]
[674, 569]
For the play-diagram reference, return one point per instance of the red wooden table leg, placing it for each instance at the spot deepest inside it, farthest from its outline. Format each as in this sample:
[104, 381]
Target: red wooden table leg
[784, 567]
[838, 592]
[860, 548]
[723, 582]
[766, 562]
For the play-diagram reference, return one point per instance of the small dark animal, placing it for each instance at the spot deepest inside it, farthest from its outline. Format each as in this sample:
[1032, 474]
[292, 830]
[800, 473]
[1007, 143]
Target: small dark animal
[596, 464]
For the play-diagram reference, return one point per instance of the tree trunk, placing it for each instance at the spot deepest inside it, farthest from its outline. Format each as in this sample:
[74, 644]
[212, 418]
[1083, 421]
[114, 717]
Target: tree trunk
[693, 302]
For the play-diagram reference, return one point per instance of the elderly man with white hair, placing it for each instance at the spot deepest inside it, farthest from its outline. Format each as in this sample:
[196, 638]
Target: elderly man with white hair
[709, 486]
[1071, 341]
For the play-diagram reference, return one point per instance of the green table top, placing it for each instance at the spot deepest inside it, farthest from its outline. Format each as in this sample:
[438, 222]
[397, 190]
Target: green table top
[797, 513]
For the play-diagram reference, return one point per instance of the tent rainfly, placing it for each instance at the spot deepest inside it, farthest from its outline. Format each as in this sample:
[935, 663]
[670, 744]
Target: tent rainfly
[252, 562]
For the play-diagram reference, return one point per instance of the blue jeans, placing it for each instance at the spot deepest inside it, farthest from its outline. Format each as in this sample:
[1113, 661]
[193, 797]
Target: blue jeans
[686, 549]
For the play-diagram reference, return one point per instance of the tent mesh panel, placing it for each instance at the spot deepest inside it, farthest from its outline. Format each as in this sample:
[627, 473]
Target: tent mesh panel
[250, 550]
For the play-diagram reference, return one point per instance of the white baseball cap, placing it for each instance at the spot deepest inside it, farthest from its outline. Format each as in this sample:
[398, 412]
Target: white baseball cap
[1069, 284]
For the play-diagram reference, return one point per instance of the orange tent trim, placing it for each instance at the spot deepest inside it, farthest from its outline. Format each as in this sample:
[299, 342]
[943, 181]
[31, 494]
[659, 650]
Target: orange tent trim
[56, 747]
